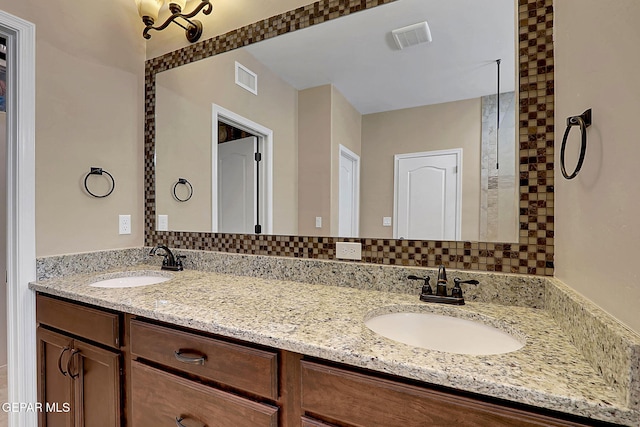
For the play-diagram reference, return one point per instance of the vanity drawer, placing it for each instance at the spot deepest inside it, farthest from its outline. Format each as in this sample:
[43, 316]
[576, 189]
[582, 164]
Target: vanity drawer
[245, 368]
[159, 398]
[87, 322]
[357, 399]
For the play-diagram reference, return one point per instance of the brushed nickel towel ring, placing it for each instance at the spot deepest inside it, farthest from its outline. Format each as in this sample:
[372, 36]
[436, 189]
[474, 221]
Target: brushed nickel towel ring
[583, 121]
[99, 171]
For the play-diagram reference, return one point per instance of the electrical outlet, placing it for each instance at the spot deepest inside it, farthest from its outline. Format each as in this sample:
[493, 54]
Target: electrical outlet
[347, 250]
[124, 224]
[163, 223]
[386, 221]
[318, 222]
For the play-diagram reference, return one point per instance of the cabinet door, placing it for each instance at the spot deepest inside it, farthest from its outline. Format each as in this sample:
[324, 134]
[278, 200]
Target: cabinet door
[96, 386]
[55, 385]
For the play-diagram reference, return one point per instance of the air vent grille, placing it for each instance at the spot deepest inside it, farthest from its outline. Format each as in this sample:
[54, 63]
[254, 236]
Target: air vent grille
[412, 35]
[246, 78]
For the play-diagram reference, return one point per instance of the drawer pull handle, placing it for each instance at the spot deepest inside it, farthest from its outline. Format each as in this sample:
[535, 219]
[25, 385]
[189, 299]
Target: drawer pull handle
[192, 360]
[189, 424]
[73, 353]
[64, 350]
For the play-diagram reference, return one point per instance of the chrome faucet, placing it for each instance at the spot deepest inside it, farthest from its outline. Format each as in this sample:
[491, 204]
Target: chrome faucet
[169, 262]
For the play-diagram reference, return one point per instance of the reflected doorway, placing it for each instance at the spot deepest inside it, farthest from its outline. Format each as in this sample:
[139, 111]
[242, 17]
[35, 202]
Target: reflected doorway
[238, 189]
[348, 193]
[242, 178]
[428, 185]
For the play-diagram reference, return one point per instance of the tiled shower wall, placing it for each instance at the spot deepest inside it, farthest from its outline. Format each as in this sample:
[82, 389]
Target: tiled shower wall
[498, 172]
[533, 254]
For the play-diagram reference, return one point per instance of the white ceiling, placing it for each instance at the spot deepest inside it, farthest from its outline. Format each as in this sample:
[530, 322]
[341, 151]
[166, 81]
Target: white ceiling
[357, 54]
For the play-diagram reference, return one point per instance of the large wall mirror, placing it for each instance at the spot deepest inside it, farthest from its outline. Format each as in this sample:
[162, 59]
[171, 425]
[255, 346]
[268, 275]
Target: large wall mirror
[336, 130]
[359, 137]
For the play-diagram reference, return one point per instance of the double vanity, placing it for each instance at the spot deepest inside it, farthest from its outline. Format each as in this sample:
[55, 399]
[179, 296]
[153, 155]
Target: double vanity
[203, 344]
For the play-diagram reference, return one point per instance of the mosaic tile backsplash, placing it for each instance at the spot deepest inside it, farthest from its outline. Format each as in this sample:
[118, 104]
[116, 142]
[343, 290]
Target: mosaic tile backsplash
[533, 254]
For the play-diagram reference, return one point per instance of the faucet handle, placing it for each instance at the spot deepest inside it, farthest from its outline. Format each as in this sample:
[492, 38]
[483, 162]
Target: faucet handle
[456, 292]
[179, 259]
[426, 287]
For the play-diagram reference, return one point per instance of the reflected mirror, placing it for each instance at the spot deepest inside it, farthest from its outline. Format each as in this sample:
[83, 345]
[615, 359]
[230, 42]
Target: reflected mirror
[337, 130]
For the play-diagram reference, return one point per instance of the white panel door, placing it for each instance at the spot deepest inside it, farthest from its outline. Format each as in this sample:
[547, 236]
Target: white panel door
[348, 193]
[236, 186]
[428, 195]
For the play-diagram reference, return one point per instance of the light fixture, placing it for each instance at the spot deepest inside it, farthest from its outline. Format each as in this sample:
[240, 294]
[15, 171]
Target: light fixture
[149, 10]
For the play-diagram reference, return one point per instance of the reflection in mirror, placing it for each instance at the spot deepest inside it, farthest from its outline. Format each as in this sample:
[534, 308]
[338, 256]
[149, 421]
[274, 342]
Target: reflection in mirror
[357, 138]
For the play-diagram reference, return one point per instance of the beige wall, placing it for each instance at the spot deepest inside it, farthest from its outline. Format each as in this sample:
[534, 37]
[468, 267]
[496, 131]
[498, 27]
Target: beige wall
[183, 135]
[597, 233]
[89, 91]
[346, 130]
[435, 127]
[227, 15]
[326, 120]
[314, 160]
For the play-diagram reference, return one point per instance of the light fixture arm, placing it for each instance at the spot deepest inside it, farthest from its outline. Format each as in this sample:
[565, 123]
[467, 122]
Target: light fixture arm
[194, 28]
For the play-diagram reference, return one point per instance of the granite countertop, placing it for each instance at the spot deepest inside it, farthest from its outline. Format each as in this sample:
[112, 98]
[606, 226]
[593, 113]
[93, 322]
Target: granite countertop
[327, 322]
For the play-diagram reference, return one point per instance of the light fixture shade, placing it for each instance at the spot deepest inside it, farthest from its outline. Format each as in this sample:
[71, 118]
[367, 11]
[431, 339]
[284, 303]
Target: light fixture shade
[149, 8]
[179, 3]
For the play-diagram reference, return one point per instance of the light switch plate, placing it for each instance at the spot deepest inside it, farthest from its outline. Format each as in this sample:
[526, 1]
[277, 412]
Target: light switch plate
[348, 250]
[318, 222]
[386, 221]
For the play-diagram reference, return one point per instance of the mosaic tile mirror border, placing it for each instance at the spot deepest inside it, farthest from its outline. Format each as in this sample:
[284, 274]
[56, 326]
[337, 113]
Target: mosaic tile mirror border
[533, 254]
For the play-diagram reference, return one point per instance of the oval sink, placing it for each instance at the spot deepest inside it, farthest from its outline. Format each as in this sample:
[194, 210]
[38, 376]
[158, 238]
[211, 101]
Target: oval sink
[443, 333]
[130, 281]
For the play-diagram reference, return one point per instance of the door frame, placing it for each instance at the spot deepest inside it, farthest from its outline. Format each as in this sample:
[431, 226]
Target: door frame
[396, 182]
[345, 153]
[265, 142]
[21, 247]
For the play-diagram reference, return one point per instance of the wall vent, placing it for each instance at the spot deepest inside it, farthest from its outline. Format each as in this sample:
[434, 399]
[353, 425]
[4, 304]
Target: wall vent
[246, 79]
[412, 35]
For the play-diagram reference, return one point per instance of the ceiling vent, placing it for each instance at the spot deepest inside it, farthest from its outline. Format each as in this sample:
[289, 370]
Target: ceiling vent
[412, 35]
[246, 79]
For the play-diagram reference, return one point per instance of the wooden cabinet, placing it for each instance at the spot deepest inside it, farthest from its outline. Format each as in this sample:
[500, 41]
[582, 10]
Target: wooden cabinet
[78, 379]
[336, 396]
[180, 377]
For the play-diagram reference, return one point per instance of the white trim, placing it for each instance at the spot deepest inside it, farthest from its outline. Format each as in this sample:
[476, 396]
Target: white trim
[396, 181]
[21, 248]
[345, 153]
[265, 135]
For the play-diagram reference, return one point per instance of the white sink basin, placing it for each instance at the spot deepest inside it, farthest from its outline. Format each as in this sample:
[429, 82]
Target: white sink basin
[443, 333]
[130, 281]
